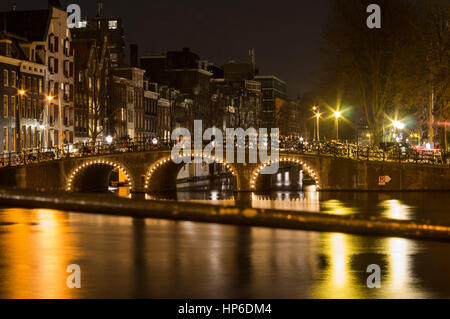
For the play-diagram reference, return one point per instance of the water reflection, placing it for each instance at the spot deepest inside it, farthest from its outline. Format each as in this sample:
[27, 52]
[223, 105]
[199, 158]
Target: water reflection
[135, 258]
[428, 208]
[395, 209]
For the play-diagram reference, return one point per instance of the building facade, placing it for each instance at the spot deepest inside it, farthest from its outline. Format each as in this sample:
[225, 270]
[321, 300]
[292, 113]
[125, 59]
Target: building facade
[151, 97]
[272, 88]
[22, 96]
[135, 100]
[236, 97]
[92, 90]
[50, 41]
[185, 72]
[100, 27]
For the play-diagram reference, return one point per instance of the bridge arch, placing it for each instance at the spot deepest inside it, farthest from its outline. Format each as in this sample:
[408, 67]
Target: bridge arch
[165, 171]
[257, 172]
[100, 169]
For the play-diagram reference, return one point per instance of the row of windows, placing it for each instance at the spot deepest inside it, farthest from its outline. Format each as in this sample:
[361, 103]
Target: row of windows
[150, 125]
[81, 124]
[67, 90]
[53, 66]
[151, 106]
[53, 45]
[54, 115]
[30, 138]
[30, 108]
[26, 82]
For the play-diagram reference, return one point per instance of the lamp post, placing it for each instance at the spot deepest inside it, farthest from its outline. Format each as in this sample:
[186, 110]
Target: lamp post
[337, 116]
[314, 110]
[18, 117]
[318, 126]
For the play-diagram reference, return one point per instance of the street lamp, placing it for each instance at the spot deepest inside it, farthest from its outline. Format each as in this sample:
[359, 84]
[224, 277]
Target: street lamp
[399, 125]
[318, 126]
[337, 115]
[109, 139]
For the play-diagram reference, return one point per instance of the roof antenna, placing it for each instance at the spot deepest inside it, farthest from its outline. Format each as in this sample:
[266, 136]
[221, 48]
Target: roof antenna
[100, 8]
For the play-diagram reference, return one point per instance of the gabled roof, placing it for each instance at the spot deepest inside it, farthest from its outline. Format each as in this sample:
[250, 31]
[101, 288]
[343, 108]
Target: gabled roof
[32, 25]
[16, 50]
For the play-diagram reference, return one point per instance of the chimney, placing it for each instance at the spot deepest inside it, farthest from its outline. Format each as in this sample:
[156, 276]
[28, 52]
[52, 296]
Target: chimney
[134, 55]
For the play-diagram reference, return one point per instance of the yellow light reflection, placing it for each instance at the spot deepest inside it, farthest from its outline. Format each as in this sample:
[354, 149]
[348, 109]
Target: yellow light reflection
[337, 279]
[399, 262]
[394, 209]
[400, 278]
[37, 267]
[338, 261]
[336, 207]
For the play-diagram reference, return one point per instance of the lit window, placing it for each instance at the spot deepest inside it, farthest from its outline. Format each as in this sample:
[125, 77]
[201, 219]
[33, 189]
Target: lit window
[112, 25]
[5, 77]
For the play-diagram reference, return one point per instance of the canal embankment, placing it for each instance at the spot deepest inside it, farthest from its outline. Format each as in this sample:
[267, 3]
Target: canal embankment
[222, 214]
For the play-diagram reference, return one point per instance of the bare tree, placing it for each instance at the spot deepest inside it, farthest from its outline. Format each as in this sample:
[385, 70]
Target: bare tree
[433, 57]
[370, 65]
[95, 89]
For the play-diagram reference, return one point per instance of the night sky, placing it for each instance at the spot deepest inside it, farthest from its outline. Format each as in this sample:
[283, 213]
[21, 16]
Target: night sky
[285, 34]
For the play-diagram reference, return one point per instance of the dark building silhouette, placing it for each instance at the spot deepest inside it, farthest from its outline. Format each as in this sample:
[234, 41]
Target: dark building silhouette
[99, 27]
[272, 88]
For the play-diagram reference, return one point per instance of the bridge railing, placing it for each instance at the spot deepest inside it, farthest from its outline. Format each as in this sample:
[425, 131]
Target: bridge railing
[360, 153]
[350, 151]
[34, 156]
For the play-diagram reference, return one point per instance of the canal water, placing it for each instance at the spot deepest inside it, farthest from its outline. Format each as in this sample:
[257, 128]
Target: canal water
[134, 258]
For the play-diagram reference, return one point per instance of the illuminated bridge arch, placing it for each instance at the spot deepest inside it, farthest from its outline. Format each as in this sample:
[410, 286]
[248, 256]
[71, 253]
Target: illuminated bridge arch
[256, 174]
[163, 174]
[95, 175]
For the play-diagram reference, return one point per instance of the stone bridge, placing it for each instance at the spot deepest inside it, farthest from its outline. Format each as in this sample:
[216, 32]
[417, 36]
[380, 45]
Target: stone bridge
[153, 171]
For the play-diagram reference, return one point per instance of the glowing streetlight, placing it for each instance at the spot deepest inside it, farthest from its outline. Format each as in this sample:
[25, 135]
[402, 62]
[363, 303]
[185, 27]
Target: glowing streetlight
[399, 125]
[50, 98]
[21, 92]
[109, 139]
[337, 114]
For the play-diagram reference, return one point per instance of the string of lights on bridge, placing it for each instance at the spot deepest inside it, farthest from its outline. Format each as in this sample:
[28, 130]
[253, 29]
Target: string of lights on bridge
[172, 159]
[97, 162]
[257, 172]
